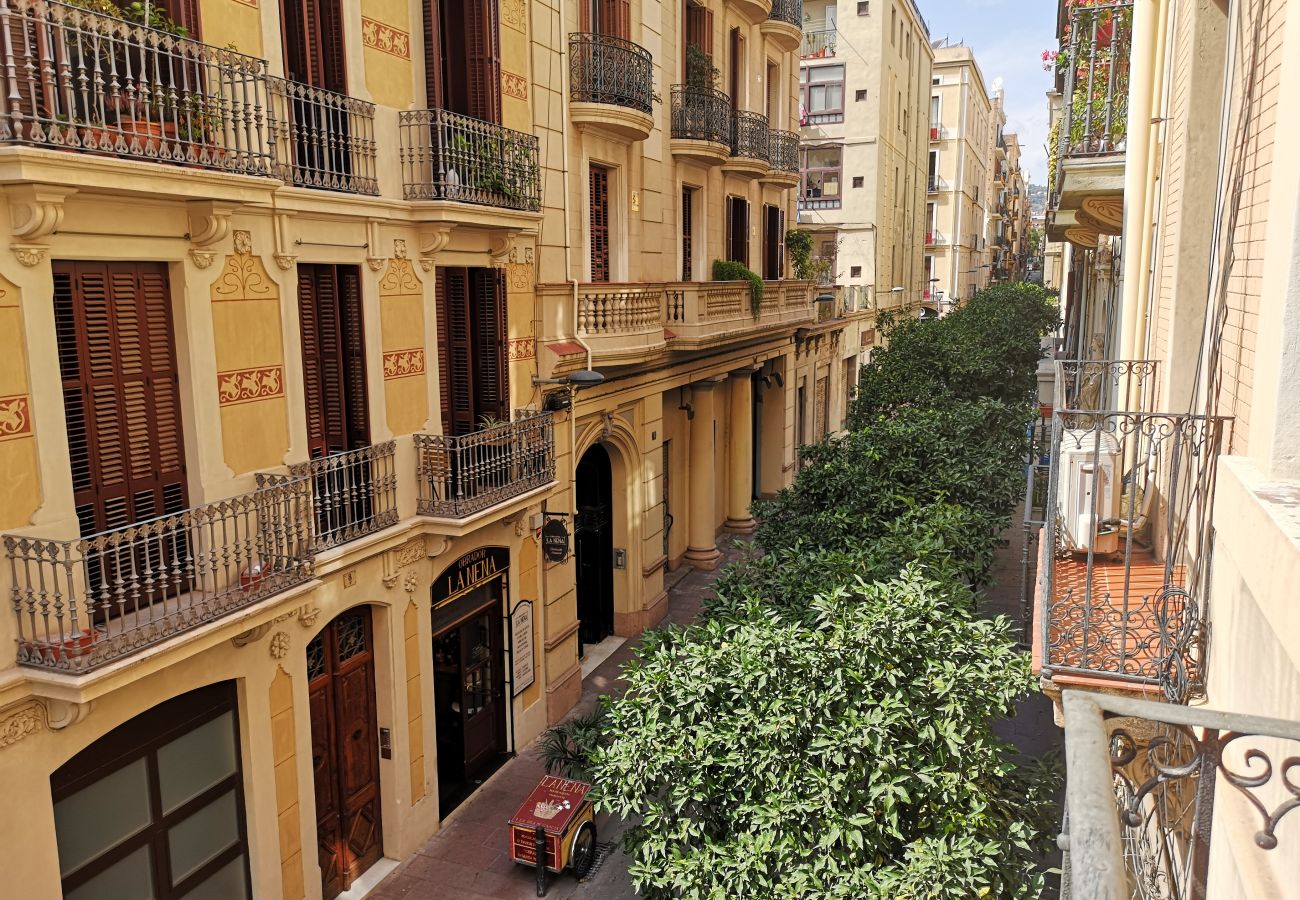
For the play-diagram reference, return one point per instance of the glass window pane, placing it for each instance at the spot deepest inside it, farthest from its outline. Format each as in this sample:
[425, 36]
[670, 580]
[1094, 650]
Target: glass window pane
[831, 184]
[834, 96]
[828, 73]
[824, 158]
[227, 883]
[196, 761]
[102, 815]
[128, 879]
[202, 836]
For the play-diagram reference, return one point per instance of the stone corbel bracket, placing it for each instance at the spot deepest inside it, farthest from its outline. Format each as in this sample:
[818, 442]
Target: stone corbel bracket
[433, 241]
[283, 258]
[373, 259]
[35, 212]
[501, 244]
[209, 225]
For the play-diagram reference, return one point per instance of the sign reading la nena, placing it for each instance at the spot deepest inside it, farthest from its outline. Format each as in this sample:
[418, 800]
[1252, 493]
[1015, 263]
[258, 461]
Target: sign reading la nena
[470, 571]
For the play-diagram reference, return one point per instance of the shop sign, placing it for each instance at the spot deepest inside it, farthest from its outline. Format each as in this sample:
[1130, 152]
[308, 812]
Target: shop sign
[555, 540]
[472, 570]
[521, 646]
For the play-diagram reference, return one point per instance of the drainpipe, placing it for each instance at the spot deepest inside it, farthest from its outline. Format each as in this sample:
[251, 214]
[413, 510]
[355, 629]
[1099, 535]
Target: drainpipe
[1153, 125]
[1136, 243]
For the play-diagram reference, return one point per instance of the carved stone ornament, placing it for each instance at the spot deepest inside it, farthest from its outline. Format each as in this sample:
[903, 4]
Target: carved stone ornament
[411, 582]
[210, 222]
[251, 636]
[36, 210]
[307, 616]
[433, 241]
[399, 248]
[279, 645]
[426, 264]
[285, 261]
[243, 242]
[500, 245]
[203, 258]
[375, 262]
[30, 255]
[18, 723]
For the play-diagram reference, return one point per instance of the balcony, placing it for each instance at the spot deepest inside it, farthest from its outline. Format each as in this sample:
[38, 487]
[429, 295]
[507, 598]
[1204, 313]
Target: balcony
[321, 139]
[702, 123]
[783, 159]
[611, 86]
[621, 323]
[750, 138]
[83, 82]
[451, 157]
[706, 313]
[753, 11]
[353, 493]
[1093, 132]
[784, 25]
[1123, 579]
[460, 476]
[818, 44]
[1178, 803]
[81, 604]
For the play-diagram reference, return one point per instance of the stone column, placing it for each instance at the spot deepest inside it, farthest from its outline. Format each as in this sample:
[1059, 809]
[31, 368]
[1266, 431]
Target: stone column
[701, 544]
[740, 458]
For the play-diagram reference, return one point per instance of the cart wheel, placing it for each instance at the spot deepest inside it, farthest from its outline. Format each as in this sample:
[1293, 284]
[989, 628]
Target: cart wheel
[582, 851]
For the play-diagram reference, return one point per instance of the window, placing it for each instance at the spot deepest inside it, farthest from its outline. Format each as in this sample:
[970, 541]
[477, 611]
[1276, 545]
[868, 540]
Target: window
[893, 26]
[858, 181]
[688, 230]
[462, 58]
[855, 271]
[821, 178]
[738, 229]
[864, 7]
[773, 242]
[936, 80]
[936, 121]
[737, 63]
[598, 207]
[612, 18]
[933, 179]
[822, 88]
[859, 96]
[333, 358]
[155, 808]
[472, 328]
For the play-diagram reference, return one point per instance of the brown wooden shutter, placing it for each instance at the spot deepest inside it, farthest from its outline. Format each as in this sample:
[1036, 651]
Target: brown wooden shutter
[353, 355]
[483, 58]
[742, 230]
[333, 65]
[433, 86]
[455, 352]
[706, 26]
[780, 263]
[313, 396]
[440, 279]
[490, 348]
[312, 33]
[598, 181]
[731, 228]
[623, 18]
[735, 51]
[184, 13]
[688, 221]
[121, 392]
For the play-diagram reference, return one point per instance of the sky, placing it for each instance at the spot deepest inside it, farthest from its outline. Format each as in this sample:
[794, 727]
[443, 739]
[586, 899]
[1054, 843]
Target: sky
[1008, 37]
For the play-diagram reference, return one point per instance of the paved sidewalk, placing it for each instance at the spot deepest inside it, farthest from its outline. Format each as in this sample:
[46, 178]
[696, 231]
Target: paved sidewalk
[467, 859]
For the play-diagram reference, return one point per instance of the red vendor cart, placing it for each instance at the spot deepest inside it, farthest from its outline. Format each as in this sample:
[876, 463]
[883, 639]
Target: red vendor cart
[557, 816]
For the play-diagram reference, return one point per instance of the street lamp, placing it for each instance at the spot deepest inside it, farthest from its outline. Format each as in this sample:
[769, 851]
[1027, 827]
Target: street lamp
[558, 400]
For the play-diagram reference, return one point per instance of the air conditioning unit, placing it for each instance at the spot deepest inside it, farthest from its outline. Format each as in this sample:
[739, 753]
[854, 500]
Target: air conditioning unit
[1087, 492]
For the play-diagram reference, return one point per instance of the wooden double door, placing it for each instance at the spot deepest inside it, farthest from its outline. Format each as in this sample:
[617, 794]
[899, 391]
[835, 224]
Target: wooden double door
[345, 749]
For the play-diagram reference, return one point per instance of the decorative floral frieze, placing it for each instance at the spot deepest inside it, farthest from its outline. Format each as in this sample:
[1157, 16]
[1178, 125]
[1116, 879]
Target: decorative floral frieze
[15, 417]
[385, 38]
[27, 719]
[248, 385]
[522, 348]
[513, 85]
[403, 363]
[279, 647]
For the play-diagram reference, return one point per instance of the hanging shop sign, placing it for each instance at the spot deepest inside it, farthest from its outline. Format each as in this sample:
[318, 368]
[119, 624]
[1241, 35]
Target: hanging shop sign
[472, 570]
[555, 540]
[521, 646]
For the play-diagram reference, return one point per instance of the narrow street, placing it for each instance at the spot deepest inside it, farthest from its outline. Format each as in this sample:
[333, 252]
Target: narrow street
[467, 860]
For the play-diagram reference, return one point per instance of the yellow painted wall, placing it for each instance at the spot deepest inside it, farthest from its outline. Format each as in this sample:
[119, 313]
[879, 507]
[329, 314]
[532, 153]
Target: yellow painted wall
[20, 488]
[414, 698]
[250, 362]
[386, 37]
[232, 23]
[516, 82]
[285, 761]
[401, 322]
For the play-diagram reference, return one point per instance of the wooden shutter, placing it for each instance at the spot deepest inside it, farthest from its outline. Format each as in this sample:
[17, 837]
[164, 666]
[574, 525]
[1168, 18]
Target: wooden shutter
[706, 27]
[490, 349]
[736, 51]
[623, 19]
[433, 86]
[598, 180]
[309, 328]
[121, 392]
[333, 58]
[731, 228]
[312, 33]
[780, 261]
[688, 222]
[356, 426]
[184, 13]
[483, 60]
[742, 230]
[455, 354]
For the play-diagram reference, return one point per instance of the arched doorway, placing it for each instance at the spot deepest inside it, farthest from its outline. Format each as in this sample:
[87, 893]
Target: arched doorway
[155, 808]
[594, 548]
[345, 749]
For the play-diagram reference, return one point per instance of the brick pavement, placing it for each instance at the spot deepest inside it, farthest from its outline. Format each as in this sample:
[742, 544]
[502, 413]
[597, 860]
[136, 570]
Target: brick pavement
[466, 859]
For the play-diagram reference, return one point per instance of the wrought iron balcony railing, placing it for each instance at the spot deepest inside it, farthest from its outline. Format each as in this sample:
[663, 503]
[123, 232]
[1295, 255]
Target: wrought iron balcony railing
[1097, 80]
[447, 156]
[750, 135]
[1155, 791]
[788, 11]
[353, 493]
[323, 140]
[464, 474]
[605, 69]
[783, 151]
[818, 44]
[702, 114]
[1124, 570]
[77, 80]
[82, 603]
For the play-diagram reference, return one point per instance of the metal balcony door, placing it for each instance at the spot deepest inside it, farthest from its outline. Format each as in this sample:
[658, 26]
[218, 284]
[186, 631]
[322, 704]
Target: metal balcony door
[345, 749]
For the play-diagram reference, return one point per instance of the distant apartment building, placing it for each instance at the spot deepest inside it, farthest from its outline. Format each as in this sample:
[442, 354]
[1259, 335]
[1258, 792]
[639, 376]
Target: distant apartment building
[957, 180]
[1009, 215]
[864, 93]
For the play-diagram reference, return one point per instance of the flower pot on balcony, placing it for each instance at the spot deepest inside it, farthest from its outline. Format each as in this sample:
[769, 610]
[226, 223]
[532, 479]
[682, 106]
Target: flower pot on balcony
[81, 643]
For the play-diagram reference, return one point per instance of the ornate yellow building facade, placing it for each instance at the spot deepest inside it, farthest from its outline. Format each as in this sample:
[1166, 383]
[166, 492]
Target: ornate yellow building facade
[293, 300]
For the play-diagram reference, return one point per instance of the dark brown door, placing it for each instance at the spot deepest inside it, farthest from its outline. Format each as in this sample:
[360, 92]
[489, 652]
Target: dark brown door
[345, 749]
[463, 57]
[472, 353]
[333, 358]
[120, 392]
[313, 43]
[738, 229]
[688, 231]
[772, 241]
[599, 208]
